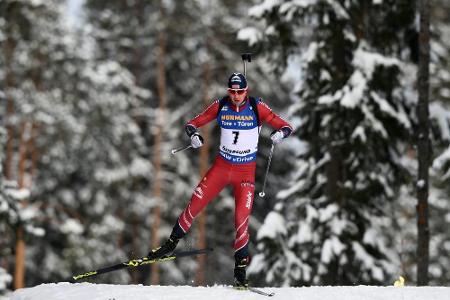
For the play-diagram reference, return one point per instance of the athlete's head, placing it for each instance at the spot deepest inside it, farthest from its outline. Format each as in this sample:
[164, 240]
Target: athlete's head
[237, 88]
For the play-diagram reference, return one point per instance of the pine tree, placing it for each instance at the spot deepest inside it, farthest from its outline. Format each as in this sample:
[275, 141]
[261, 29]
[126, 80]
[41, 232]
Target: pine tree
[440, 126]
[403, 213]
[112, 31]
[8, 214]
[26, 27]
[95, 169]
[91, 153]
[423, 145]
[354, 114]
[13, 215]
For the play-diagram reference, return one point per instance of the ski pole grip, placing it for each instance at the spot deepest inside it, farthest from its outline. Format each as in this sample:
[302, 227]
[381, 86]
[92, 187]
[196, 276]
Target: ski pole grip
[246, 57]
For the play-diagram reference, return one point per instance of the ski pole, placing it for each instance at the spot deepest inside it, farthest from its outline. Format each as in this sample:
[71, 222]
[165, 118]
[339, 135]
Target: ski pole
[181, 149]
[246, 57]
[262, 193]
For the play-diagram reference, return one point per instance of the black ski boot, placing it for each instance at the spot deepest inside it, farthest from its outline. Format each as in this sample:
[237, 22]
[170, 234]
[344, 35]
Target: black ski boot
[165, 250]
[240, 275]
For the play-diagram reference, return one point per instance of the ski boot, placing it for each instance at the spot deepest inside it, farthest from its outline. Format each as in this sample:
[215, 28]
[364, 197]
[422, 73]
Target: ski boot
[165, 250]
[240, 275]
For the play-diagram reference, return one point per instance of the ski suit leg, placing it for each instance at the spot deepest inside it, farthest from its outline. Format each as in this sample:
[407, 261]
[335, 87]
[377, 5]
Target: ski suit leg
[212, 183]
[244, 191]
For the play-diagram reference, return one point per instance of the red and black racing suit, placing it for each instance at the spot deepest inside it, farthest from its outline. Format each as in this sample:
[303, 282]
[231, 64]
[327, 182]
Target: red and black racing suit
[234, 165]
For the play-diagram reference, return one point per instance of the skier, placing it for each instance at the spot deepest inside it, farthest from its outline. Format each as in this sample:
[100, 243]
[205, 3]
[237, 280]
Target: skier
[240, 118]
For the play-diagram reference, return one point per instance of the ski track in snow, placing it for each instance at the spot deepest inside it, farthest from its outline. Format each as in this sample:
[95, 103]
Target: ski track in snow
[90, 291]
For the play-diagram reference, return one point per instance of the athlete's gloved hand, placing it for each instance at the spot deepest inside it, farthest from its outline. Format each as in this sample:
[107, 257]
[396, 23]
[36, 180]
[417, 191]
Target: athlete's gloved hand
[277, 136]
[196, 140]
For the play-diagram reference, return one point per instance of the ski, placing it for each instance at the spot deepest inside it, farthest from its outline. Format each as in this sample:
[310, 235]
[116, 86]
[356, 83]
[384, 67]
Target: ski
[255, 290]
[258, 291]
[139, 262]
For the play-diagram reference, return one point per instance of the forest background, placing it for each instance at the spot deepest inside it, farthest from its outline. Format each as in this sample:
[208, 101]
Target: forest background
[92, 102]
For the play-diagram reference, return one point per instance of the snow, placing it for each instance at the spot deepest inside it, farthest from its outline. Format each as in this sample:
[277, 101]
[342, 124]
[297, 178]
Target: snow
[328, 212]
[250, 34]
[439, 162]
[310, 53]
[367, 260]
[332, 247]
[338, 9]
[421, 184]
[365, 63]
[258, 11]
[441, 115]
[359, 133]
[384, 105]
[72, 226]
[5, 279]
[91, 291]
[292, 190]
[19, 194]
[274, 225]
[354, 91]
[445, 92]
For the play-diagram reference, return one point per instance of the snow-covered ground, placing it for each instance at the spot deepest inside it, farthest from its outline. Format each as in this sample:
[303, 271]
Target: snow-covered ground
[88, 291]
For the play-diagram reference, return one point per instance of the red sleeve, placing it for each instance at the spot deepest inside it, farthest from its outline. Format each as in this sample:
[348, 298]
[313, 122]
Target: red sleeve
[268, 116]
[209, 114]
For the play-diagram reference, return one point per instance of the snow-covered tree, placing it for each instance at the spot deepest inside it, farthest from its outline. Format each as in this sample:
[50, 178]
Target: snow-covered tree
[12, 215]
[28, 40]
[404, 214]
[91, 163]
[7, 216]
[354, 110]
[440, 120]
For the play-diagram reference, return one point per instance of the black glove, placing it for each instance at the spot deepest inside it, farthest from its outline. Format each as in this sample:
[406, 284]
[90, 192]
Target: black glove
[196, 138]
[278, 135]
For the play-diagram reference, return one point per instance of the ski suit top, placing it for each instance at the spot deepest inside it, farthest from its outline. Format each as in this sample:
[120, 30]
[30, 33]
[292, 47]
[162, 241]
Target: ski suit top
[239, 129]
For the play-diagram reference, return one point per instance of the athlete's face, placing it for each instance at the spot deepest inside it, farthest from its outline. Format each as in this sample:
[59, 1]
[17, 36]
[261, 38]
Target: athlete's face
[237, 96]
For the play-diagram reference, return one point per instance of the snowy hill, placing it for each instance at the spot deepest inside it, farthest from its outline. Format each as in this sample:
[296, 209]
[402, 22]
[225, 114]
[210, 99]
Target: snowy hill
[88, 291]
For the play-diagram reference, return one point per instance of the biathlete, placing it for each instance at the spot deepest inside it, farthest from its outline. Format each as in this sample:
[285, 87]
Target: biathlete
[240, 118]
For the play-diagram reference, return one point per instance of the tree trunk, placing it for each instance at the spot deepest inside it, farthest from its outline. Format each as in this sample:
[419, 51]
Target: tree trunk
[19, 272]
[361, 19]
[10, 140]
[423, 149]
[204, 159]
[24, 142]
[9, 82]
[33, 152]
[334, 169]
[158, 140]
